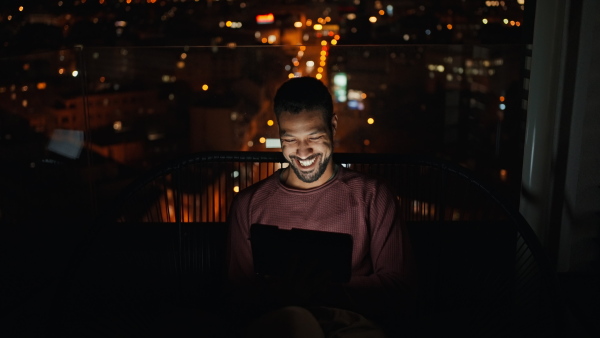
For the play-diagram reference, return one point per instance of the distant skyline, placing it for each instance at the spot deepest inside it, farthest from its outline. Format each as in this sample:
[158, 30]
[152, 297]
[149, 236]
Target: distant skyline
[30, 26]
[422, 80]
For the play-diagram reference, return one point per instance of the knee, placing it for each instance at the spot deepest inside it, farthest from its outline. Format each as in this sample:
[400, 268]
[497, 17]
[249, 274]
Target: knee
[289, 321]
[294, 315]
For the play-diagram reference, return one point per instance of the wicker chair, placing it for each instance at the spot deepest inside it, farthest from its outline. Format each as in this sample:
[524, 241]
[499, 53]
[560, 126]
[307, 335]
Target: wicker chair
[158, 251]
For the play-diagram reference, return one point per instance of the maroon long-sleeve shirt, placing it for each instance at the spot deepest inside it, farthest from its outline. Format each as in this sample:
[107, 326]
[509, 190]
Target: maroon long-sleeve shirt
[351, 203]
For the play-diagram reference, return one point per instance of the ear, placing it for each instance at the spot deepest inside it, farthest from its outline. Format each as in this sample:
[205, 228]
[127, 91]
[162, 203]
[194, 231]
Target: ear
[334, 121]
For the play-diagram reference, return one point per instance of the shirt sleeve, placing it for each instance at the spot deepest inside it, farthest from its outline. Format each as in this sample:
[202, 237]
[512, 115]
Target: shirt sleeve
[239, 253]
[241, 288]
[392, 283]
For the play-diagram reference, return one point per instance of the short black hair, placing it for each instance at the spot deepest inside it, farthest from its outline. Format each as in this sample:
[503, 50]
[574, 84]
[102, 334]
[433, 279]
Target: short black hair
[304, 93]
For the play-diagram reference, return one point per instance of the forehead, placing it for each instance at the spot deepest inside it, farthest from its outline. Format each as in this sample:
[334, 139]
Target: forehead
[304, 117]
[305, 121]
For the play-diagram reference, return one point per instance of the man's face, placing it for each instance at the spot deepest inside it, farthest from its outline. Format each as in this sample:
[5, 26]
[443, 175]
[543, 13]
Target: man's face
[307, 143]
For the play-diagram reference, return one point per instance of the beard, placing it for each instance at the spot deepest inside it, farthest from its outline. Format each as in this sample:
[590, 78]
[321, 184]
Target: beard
[309, 177]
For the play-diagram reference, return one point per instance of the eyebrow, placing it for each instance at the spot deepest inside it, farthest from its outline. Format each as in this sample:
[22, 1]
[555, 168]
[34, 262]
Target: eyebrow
[285, 133]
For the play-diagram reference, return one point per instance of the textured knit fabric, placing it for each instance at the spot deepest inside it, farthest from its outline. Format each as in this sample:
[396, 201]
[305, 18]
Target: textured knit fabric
[350, 203]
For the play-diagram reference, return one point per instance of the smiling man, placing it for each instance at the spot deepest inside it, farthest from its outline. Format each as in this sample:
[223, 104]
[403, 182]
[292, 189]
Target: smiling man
[307, 143]
[314, 193]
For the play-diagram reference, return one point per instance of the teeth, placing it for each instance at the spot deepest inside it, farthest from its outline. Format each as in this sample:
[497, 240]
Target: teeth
[306, 163]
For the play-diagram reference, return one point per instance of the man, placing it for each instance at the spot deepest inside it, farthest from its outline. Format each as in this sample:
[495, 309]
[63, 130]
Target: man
[315, 193]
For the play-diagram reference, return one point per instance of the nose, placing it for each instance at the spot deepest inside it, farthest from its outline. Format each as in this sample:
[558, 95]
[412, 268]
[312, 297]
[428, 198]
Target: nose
[304, 149]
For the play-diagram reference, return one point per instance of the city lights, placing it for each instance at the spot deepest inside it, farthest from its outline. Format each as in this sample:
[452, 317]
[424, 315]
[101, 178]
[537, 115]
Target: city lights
[340, 81]
[199, 54]
[390, 10]
[265, 18]
[273, 143]
[503, 175]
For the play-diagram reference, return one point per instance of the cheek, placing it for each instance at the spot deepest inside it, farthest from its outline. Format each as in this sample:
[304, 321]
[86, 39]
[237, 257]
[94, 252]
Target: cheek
[326, 145]
[287, 150]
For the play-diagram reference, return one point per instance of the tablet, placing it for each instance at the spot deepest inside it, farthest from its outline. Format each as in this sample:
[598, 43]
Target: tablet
[275, 251]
